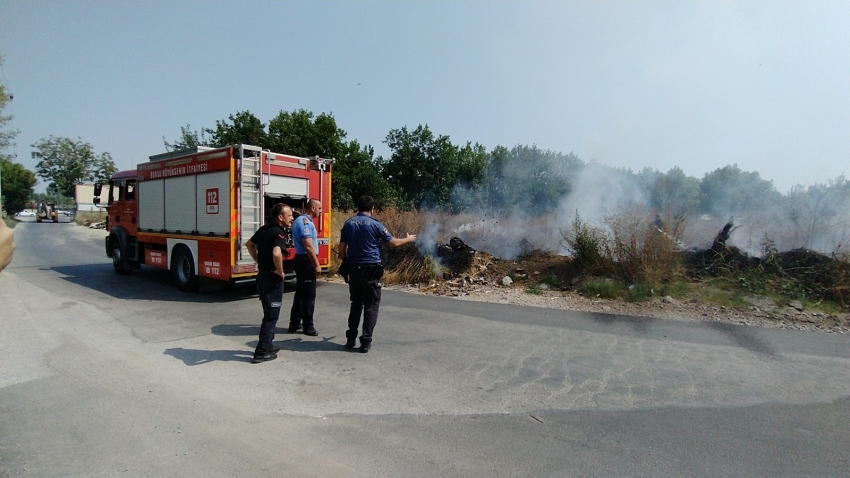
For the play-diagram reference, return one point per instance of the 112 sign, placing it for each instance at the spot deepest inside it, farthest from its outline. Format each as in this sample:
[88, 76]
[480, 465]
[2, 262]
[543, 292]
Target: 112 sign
[212, 201]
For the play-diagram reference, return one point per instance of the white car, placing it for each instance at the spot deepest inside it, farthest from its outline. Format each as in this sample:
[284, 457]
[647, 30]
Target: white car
[25, 214]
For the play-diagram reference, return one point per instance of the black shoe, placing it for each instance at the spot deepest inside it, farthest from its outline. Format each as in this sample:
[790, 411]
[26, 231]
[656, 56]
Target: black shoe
[274, 350]
[364, 349]
[351, 342]
[264, 358]
[294, 328]
[311, 331]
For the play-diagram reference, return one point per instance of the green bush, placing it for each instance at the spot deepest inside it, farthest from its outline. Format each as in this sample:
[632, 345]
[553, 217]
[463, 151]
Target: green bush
[588, 243]
[533, 290]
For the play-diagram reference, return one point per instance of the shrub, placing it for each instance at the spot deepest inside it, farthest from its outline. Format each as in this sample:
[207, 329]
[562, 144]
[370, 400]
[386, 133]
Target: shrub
[642, 252]
[589, 248]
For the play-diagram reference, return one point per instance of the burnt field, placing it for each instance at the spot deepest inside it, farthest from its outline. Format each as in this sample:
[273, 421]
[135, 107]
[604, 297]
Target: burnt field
[629, 272]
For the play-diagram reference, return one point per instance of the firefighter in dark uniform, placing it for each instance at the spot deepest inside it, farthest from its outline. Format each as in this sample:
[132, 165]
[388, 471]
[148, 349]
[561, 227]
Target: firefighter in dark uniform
[360, 253]
[306, 263]
[268, 247]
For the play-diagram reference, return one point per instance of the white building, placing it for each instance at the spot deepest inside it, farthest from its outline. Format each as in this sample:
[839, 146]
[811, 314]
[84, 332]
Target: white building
[84, 196]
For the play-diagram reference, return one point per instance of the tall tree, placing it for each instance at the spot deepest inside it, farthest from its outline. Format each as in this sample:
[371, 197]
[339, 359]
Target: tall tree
[527, 177]
[244, 128]
[18, 183]
[731, 191]
[673, 193]
[423, 168]
[188, 139]
[358, 173]
[300, 134]
[13, 178]
[65, 163]
[7, 135]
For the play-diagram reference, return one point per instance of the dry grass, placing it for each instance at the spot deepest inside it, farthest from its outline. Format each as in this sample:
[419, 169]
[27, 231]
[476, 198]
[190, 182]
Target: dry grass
[83, 217]
[405, 264]
[629, 247]
[642, 253]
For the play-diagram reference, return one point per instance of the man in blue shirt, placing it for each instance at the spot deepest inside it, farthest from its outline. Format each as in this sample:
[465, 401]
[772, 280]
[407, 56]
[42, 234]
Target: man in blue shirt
[307, 268]
[360, 249]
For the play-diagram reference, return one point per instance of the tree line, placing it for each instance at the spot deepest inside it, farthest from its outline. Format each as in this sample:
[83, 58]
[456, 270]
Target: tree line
[425, 169]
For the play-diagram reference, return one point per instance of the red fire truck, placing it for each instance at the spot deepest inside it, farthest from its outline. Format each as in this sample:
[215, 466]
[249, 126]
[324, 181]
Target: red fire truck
[192, 211]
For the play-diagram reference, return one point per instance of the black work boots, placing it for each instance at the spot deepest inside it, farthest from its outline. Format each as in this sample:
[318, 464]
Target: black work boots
[350, 339]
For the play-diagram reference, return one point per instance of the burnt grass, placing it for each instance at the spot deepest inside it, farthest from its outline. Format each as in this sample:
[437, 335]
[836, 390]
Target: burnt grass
[797, 274]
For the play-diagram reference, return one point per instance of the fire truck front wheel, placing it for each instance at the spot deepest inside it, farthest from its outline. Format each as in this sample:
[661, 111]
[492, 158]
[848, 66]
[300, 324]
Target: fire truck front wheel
[183, 268]
[118, 262]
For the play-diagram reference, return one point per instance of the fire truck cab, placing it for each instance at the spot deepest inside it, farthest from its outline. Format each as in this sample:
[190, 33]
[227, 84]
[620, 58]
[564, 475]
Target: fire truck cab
[192, 211]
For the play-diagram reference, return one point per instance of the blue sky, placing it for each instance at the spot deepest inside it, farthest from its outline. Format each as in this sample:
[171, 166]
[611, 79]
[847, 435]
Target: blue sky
[697, 85]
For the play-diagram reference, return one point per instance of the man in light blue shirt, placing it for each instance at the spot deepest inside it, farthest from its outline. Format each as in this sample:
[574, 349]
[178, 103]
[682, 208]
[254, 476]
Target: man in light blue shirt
[307, 268]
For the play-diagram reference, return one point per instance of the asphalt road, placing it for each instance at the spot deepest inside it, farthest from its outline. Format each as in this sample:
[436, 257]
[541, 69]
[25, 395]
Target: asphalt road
[104, 375]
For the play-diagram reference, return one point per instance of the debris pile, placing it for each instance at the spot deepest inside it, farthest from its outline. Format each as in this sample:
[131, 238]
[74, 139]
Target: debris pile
[796, 273]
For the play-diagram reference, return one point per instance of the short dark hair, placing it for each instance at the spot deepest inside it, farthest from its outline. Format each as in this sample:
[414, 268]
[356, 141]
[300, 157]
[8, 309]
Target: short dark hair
[277, 209]
[365, 203]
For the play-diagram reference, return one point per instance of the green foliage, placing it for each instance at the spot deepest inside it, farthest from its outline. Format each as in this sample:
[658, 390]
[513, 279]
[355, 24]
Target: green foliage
[244, 128]
[17, 185]
[551, 281]
[533, 290]
[7, 136]
[65, 163]
[528, 178]
[357, 173]
[17, 182]
[729, 190]
[589, 250]
[422, 168]
[603, 289]
[188, 139]
[639, 292]
[300, 134]
[726, 298]
[672, 194]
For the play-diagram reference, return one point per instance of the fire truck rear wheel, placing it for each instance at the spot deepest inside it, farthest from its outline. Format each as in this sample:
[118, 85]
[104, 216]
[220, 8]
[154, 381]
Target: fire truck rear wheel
[118, 259]
[183, 268]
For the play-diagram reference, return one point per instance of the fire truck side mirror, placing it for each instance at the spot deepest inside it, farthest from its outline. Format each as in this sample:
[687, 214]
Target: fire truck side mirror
[98, 188]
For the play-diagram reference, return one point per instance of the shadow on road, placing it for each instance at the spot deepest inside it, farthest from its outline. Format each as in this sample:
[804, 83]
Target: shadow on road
[299, 344]
[740, 335]
[236, 330]
[148, 283]
[193, 357]
[744, 337]
[638, 324]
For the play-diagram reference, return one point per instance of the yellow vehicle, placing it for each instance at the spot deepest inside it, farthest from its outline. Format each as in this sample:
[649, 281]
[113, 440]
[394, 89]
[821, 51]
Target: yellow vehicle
[47, 212]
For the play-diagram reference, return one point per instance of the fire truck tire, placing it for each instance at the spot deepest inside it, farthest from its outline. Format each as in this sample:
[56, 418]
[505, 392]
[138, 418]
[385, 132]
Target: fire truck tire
[183, 268]
[118, 262]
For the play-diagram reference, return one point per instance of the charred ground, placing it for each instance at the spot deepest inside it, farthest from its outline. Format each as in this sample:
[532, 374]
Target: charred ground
[797, 289]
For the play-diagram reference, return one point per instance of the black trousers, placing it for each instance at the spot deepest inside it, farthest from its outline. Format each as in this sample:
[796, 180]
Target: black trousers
[304, 302]
[364, 286]
[270, 289]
